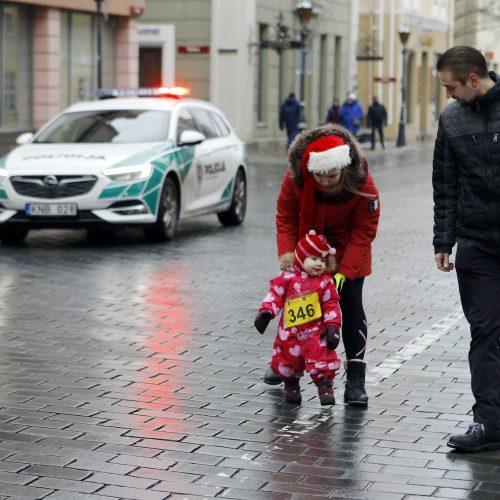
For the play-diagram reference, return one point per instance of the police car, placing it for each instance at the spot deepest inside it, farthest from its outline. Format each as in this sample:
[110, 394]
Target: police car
[143, 158]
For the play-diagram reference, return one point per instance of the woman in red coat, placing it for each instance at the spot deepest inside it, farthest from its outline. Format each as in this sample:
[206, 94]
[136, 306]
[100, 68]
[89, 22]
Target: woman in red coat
[328, 188]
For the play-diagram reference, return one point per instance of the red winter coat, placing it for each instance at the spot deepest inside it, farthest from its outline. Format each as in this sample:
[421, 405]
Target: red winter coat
[348, 221]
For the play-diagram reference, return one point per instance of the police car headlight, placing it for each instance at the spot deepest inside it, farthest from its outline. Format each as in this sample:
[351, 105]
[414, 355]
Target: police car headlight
[132, 173]
[3, 174]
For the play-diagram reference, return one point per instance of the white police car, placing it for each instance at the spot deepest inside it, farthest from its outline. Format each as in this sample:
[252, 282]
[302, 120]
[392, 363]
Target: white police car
[125, 161]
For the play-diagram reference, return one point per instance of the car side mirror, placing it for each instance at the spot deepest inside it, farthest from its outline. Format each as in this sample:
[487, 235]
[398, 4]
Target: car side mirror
[191, 138]
[24, 138]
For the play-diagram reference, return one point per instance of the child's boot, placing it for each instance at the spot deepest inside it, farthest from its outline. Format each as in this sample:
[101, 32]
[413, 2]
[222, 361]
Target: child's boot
[292, 391]
[325, 392]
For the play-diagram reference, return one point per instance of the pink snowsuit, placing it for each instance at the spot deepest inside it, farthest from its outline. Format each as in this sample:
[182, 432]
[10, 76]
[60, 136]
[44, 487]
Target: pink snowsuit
[300, 347]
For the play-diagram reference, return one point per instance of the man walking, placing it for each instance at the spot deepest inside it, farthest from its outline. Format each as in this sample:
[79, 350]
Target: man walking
[377, 120]
[290, 117]
[466, 181]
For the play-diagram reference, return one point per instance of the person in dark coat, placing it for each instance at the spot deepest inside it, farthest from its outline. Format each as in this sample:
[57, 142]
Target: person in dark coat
[377, 120]
[466, 182]
[333, 115]
[290, 117]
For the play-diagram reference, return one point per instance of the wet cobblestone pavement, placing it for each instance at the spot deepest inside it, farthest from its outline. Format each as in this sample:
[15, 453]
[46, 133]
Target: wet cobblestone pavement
[131, 370]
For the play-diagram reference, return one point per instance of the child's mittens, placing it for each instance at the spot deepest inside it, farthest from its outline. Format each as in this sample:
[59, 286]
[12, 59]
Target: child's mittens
[262, 320]
[332, 335]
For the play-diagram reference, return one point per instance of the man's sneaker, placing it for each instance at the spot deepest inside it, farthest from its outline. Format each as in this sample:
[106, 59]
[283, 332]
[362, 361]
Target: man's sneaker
[477, 438]
[292, 391]
[272, 378]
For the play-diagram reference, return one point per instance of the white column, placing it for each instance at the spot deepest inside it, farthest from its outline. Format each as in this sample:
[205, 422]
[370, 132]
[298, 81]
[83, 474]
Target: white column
[353, 77]
[232, 62]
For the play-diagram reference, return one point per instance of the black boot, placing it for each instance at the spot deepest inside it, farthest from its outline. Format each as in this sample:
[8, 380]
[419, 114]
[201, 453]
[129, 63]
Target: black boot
[292, 391]
[272, 378]
[355, 393]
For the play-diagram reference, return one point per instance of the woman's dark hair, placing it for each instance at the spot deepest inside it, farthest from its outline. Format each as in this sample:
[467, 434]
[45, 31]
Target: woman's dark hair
[463, 60]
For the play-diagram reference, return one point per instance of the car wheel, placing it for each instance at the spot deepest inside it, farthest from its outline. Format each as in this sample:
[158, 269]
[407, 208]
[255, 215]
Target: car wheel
[13, 236]
[235, 215]
[165, 226]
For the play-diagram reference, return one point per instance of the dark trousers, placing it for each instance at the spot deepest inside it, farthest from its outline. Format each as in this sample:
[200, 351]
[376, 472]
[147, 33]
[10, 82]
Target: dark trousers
[291, 133]
[478, 273]
[380, 129]
[354, 327]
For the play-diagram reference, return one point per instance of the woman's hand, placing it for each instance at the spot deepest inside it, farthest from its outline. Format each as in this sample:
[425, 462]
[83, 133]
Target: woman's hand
[339, 281]
[286, 261]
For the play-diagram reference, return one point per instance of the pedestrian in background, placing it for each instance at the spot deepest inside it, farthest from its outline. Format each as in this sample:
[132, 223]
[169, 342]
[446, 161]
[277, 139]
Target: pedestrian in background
[377, 120]
[466, 181]
[333, 114]
[351, 114]
[337, 198]
[309, 327]
[290, 117]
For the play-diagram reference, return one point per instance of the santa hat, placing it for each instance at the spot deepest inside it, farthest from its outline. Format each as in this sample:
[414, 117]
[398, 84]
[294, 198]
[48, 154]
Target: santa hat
[312, 245]
[327, 153]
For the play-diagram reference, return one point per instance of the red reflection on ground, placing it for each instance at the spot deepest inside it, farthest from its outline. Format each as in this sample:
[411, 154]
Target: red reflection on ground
[159, 388]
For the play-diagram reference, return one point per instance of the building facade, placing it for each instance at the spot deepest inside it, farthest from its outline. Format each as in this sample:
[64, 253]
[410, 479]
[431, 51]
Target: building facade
[477, 23]
[391, 69]
[49, 51]
[244, 56]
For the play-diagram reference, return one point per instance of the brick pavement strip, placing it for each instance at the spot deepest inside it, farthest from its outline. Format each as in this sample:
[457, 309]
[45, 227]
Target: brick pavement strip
[133, 371]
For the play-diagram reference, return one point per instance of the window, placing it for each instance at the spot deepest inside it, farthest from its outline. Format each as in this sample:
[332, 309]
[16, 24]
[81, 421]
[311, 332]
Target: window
[185, 122]
[15, 67]
[118, 127]
[205, 124]
[221, 124]
[78, 56]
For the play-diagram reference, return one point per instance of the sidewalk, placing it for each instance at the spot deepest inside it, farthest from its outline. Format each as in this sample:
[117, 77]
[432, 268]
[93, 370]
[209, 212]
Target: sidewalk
[133, 371]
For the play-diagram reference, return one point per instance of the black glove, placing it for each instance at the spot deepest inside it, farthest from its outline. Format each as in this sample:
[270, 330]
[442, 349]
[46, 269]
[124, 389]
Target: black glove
[332, 335]
[262, 320]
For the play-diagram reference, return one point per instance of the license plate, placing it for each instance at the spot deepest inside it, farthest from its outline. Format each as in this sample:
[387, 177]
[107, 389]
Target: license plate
[51, 209]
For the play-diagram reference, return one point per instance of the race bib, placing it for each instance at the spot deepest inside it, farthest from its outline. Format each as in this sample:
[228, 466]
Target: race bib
[302, 310]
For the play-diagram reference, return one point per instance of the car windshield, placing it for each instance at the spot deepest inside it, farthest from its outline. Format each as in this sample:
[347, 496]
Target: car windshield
[112, 126]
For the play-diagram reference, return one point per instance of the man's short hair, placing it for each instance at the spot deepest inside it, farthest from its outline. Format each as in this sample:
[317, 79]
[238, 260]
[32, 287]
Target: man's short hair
[463, 60]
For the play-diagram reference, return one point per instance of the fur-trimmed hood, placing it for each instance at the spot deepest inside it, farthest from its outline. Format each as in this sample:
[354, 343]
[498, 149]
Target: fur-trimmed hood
[357, 168]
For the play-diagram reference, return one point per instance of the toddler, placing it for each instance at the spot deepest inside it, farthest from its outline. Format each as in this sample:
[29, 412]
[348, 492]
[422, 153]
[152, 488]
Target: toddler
[308, 331]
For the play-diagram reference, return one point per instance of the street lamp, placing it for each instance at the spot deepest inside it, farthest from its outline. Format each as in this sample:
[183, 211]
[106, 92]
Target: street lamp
[304, 11]
[404, 35]
[99, 42]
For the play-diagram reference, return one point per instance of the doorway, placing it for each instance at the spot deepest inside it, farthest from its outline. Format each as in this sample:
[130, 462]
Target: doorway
[150, 67]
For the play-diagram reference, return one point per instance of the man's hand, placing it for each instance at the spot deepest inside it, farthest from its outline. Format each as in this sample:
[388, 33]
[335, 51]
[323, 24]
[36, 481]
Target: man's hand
[443, 262]
[262, 320]
[332, 337]
[339, 281]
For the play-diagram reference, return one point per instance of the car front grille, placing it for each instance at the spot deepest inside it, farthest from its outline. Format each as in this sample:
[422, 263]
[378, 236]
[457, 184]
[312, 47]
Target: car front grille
[53, 186]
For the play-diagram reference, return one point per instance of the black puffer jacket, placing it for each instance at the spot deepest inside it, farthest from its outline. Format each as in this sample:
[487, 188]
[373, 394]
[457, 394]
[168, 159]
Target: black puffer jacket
[466, 172]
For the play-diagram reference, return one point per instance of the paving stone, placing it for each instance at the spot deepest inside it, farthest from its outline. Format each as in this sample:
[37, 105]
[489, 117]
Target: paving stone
[23, 491]
[58, 472]
[132, 493]
[119, 480]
